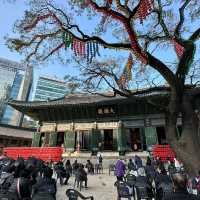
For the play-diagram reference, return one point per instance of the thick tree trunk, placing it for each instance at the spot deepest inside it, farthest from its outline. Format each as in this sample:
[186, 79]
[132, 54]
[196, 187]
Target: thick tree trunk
[188, 147]
[171, 120]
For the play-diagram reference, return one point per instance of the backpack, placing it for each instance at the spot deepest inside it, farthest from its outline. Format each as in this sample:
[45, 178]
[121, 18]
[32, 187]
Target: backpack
[6, 181]
[198, 183]
[48, 187]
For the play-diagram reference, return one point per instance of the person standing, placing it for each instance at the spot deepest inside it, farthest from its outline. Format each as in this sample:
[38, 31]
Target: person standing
[120, 169]
[45, 188]
[180, 189]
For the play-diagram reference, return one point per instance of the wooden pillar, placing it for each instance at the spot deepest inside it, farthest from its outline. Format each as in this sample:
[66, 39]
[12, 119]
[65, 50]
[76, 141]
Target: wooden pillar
[69, 140]
[94, 140]
[36, 139]
[46, 139]
[142, 137]
[151, 136]
[115, 141]
[53, 139]
[121, 139]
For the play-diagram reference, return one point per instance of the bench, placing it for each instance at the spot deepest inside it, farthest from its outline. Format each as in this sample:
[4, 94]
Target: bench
[74, 195]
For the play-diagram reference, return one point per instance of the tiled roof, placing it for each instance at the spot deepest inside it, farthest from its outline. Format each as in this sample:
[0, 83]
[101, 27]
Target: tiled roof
[72, 99]
[15, 132]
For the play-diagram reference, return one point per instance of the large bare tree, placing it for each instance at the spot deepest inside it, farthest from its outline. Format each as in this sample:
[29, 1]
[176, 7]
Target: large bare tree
[161, 35]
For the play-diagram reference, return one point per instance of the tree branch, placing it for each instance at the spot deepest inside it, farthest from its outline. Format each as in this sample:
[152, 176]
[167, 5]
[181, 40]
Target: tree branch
[34, 51]
[195, 36]
[123, 9]
[181, 14]
[162, 69]
[54, 50]
[160, 18]
[107, 11]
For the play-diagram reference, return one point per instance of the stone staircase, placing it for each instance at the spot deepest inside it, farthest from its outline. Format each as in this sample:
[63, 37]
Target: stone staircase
[108, 157]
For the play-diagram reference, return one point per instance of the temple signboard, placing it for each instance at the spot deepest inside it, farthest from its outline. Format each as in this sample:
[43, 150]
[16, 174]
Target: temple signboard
[64, 127]
[107, 125]
[83, 126]
[48, 128]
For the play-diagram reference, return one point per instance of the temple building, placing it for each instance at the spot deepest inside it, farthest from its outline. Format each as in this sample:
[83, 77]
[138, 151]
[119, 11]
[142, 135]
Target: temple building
[91, 123]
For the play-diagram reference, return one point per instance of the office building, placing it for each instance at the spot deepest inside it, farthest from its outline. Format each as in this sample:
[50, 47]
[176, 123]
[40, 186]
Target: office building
[15, 83]
[50, 88]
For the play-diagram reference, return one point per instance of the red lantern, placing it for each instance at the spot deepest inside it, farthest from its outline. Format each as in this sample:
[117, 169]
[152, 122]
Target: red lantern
[178, 48]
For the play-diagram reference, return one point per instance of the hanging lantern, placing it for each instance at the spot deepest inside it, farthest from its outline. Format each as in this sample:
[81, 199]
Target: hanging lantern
[178, 48]
[92, 51]
[78, 47]
[109, 2]
[67, 39]
[129, 65]
[83, 3]
[123, 81]
[144, 9]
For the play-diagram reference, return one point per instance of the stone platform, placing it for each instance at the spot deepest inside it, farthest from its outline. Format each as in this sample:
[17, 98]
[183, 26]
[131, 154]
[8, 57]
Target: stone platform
[108, 157]
[101, 186]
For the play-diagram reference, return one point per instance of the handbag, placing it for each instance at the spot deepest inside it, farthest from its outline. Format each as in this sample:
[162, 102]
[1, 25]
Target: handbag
[18, 189]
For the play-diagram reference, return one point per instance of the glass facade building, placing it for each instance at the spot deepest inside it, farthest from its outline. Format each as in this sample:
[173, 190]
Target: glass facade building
[49, 89]
[15, 83]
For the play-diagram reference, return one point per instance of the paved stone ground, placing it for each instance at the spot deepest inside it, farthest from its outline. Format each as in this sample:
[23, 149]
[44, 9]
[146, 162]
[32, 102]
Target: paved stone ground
[101, 186]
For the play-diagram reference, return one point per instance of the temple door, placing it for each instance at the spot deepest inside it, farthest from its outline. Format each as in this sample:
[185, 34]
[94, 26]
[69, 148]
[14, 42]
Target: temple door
[121, 139]
[115, 142]
[53, 140]
[151, 136]
[36, 139]
[69, 141]
[94, 139]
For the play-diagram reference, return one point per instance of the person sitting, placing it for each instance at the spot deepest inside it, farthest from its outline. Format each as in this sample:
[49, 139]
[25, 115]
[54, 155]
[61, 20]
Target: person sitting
[131, 165]
[180, 189]
[197, 179]
[150, 170]
[6, 178]
[90, 167]
[68, 169]
[60, 171]
[45, 186]
[21, 186]
[138, 161]
[75, 166]
[161, 177]
[81, 176]
[143, 183]
[163, 184]
[171, 168]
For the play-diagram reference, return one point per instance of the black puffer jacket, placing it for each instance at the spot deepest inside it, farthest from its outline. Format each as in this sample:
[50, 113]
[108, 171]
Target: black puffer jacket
[44, 187]
[20, 189]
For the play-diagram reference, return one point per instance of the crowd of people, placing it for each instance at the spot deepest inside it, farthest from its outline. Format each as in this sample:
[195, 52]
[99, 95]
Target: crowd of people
[36, 179]
[156, 179]
[32, 178]
[26, 179]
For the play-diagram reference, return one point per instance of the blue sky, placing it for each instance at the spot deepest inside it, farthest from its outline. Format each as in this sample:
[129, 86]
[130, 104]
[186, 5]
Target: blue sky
[8, 14]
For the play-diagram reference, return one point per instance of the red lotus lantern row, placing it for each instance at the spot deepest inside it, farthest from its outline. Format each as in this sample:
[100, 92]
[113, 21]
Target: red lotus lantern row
[88, 50]
[129, 66]
[78, 48]
[85, 3]
[178, 48]
[35, 22]
[109, 2]
[126, 75]
[144, 9]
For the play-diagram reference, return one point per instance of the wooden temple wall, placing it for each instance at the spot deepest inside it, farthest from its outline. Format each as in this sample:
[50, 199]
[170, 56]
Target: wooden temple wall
[49, 134]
